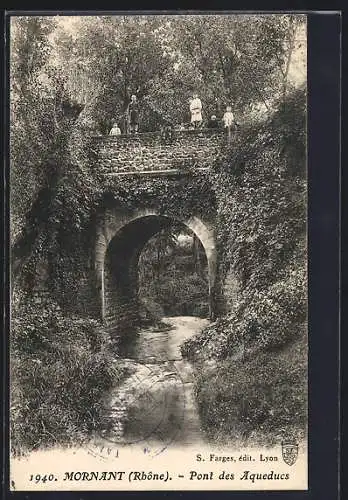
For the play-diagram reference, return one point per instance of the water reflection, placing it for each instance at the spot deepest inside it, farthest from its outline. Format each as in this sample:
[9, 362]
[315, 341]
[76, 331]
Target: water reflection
[158, 398]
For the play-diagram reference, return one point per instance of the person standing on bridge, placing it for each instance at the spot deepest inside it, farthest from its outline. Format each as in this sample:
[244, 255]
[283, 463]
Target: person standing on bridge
[213, 122]
[196, 111]
[133, 115]
[228, 120]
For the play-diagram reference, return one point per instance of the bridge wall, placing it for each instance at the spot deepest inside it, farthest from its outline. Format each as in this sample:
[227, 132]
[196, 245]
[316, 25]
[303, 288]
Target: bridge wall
[150, 152]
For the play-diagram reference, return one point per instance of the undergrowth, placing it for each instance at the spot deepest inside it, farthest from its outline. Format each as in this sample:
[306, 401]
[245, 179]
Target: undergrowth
[61, 365]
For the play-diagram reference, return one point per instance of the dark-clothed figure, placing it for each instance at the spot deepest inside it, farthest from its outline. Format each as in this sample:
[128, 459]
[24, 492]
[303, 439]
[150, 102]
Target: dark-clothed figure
[213, 122]
[133, 115]
[167, 132]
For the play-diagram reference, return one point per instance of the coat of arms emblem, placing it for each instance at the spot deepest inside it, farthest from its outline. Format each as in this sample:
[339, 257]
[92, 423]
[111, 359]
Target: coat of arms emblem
[289, 452]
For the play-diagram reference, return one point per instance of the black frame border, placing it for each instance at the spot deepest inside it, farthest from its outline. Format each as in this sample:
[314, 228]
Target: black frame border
[324, 206]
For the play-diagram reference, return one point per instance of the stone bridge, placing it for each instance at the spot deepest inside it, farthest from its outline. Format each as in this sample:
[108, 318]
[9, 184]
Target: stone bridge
[151, 153]
[121, 232]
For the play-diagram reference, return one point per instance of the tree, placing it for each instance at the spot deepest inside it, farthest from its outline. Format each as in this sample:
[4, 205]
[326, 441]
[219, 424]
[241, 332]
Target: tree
[32, 110]
[238, 59]
[156, 250]
[235, 57]
[121, 55]
[292, 27]
[40, 128]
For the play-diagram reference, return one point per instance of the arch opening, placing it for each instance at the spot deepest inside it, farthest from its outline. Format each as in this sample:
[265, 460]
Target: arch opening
[128, 299]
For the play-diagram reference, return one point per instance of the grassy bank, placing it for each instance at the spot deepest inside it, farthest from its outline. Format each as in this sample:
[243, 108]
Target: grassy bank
[61, 365]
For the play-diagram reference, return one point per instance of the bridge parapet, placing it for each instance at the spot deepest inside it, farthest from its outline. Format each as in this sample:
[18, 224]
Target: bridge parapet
[152, 153]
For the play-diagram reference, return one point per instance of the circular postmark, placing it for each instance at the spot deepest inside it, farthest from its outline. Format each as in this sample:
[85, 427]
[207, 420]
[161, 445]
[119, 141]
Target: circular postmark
[146, 411]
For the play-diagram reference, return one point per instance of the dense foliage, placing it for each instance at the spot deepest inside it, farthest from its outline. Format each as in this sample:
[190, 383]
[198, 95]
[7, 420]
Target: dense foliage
[262, 213]
[60, 362]
[173, 278]
[259, 402]
[61, 366]
[240, 60]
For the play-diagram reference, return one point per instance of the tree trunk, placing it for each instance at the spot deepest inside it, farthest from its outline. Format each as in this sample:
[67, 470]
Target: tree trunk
[292, 34]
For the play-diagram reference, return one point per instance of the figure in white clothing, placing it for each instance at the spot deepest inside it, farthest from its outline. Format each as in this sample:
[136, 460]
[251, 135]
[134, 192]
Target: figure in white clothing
[115, 130]
[196, 111]
[228, 120]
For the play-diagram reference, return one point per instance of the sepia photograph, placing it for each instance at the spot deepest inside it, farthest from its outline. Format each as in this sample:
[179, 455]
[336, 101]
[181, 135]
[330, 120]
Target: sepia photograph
[158, 232]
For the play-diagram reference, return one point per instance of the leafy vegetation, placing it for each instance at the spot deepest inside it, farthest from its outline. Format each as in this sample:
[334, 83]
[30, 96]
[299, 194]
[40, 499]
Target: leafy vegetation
[61, 366]
[60, 362]
[243, 60]
[256, 402]
[173, 276]
[262, 213]
[66, 85]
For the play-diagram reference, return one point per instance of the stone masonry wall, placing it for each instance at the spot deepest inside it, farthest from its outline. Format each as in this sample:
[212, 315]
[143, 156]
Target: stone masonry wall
[121, 313]
[150, 152]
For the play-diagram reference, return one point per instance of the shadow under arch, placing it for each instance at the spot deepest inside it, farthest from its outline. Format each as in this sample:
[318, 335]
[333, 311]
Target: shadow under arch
[120, 242]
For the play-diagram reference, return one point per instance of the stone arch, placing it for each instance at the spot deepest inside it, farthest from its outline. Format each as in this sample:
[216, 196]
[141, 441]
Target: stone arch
[121, 236]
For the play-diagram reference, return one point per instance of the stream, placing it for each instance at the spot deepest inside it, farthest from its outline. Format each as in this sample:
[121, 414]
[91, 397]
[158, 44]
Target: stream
[156, 403]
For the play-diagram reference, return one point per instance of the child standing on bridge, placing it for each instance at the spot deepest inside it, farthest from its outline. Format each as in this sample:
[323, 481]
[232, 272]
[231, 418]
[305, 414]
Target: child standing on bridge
[115, 130]
[228, 120]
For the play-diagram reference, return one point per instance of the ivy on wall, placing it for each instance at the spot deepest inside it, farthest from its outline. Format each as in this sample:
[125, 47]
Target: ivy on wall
[260, 188]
